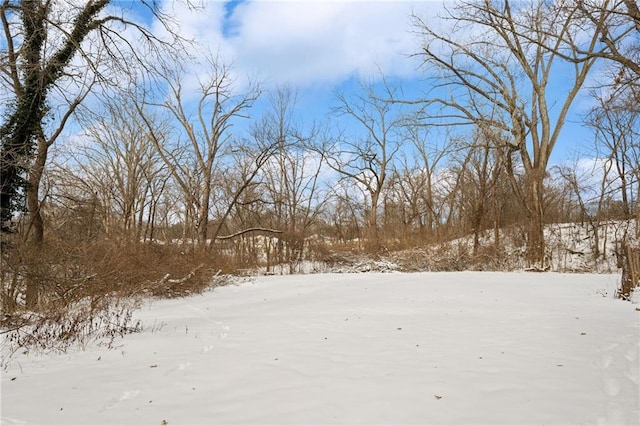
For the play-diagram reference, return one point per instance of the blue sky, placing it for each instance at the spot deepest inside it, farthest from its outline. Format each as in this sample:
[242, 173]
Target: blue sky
[318, 47]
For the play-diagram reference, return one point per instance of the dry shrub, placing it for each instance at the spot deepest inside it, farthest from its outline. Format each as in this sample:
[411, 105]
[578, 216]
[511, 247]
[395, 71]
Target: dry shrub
[436, 258]
[490, 258]
[86, 286]
[66, 271]
[318, 250]
[453, 256]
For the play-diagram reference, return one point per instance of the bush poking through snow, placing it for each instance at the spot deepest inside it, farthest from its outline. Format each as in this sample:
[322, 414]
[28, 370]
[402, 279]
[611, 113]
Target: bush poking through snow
[74, 327]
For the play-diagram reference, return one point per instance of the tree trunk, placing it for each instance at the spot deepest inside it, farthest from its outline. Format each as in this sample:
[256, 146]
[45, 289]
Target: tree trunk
[626, 211]
[638, 207]
[638, 211]
[35, 229]
[203, 213]
[476, 234]
[203, 225]
[497, 219]
[535, 232]
[372, 222]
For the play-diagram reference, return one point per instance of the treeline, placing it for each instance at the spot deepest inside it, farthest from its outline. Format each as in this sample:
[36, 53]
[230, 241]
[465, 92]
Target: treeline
[124, 174]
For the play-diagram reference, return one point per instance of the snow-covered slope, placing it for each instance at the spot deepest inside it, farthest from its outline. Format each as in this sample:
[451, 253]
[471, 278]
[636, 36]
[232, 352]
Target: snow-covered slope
[570, 247]
[427, 348]
[587, 247]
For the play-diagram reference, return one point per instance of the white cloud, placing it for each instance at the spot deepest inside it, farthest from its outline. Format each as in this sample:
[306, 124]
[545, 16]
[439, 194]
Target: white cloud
[200, 22]
[307, 42]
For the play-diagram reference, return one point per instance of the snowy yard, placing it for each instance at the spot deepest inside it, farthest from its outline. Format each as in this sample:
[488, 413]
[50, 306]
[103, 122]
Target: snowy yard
[426, 348]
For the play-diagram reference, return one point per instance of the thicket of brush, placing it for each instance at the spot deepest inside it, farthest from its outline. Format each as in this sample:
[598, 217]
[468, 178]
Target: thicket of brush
[79, 285]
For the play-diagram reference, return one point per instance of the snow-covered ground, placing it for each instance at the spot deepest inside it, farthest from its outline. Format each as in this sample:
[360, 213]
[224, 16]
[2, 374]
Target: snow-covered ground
[425, 348]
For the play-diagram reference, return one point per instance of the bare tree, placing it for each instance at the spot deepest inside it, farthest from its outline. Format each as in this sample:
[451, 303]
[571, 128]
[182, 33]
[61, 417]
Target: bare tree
[592, 197]
[497, 72]
[240, 178]
[367, 158]
[127, 168]
[45, 85]
[56, 54]
[616, 127]
[205, 130]
[481, 167]
[346, 212]
[414, 180]
[291, 176]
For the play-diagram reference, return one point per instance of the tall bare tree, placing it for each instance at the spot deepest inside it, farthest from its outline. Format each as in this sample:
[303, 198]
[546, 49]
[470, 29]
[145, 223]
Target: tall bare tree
[481, 167]
[56, 54]
[514, 69]
[414, 180]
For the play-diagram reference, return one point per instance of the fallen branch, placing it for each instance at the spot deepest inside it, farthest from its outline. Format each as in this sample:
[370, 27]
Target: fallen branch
[538, 269]
[245, 231]
[571, 251]
[167, 278]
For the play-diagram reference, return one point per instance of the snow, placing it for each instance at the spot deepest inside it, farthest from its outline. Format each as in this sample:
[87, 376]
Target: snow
[394, 348]
[570, 247]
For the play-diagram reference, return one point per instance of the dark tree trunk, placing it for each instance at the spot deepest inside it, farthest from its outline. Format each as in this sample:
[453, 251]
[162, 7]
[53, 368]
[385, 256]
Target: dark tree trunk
[24, 147]
[535, 231]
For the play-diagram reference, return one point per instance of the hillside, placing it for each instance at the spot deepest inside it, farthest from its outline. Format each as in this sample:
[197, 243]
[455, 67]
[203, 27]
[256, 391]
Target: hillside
[571, 247]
